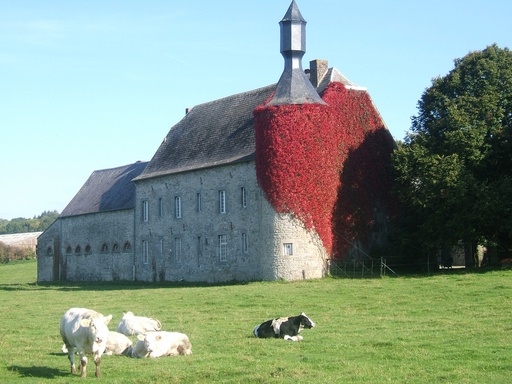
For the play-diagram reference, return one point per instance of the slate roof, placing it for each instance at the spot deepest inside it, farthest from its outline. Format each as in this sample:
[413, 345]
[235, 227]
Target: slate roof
[214, 133]
[106, 190]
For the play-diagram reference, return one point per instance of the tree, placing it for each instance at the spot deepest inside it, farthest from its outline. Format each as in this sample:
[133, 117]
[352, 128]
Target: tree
[36, 224]
[454, 169]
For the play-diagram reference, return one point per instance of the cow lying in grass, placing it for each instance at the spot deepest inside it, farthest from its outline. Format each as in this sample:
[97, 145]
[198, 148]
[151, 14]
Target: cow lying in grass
[85, 331]
[157, 344]
[118, 344]
[287, 328]
[137, 325]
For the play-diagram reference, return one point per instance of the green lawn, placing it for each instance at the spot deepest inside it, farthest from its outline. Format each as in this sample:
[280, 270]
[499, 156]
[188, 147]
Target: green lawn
[447, 328]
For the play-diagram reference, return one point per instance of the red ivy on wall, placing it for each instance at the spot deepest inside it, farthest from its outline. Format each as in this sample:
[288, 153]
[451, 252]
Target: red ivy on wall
[326, 164]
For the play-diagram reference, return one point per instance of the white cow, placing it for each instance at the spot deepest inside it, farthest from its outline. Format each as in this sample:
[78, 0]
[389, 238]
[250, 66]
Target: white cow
[157, 344]
[118, 344]
[137, 325]
[85, 331]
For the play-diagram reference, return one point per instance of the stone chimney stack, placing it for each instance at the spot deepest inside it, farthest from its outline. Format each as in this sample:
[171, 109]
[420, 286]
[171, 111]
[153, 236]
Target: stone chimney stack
[294, 87]
[317, 70]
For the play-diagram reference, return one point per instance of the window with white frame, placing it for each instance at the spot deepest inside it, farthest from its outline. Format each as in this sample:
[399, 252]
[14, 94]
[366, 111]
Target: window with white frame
[177, 249]
[243, 196]
[245, 243]
[145, 252]
[177, 207]
[288, 249]
[199, 202]
[145, 210]
[223, 247]
[222, 201]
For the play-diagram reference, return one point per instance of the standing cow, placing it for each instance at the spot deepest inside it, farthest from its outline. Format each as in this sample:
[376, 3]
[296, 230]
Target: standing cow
[157, 344]
[137, 325]
[85, 331]
[286, 328]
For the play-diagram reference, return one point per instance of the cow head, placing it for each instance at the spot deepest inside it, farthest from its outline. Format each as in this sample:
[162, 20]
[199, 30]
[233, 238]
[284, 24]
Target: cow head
[306, 322]
[141, 348]
[98, 330]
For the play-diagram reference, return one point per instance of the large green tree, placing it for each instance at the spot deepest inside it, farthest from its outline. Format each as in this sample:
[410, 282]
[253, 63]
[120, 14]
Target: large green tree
[454, 169]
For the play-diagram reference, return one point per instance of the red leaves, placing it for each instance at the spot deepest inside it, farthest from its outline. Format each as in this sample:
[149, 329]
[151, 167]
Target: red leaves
[301, 152]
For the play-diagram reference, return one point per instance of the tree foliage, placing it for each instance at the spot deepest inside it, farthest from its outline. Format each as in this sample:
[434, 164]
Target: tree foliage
[22, 225]
[454, 169]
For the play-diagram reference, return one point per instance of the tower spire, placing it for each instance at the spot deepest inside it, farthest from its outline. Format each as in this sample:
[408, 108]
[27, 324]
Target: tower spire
[294, 87]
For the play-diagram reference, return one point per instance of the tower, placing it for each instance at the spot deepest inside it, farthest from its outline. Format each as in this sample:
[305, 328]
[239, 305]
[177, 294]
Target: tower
[294, 86]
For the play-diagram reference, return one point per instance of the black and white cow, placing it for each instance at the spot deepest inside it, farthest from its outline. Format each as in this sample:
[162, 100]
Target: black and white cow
[287, 328]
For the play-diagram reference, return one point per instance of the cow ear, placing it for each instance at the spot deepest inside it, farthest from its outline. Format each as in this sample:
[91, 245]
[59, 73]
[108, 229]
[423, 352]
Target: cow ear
[85, 322]
[141, 337]
[158, 337]
[107, 319]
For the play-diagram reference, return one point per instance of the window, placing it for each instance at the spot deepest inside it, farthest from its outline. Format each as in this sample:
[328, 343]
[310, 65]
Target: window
[88, 249]
[104, 248]
[223, 247]
[145, 251]
[78, 249]
[160, 207]
[69, 250]
[199, 202]
[127, 247]
[245, 243]
[115, 247]
[145, 210]
[161, 247]
[222, 201]
[288, 249]
[49, 251]
[244, 197]
[177, 249]
[177, 207]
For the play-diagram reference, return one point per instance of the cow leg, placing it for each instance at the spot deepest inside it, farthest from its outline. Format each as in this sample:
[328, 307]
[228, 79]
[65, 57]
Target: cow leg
[71, 358]
[83, 367]
[97, 361]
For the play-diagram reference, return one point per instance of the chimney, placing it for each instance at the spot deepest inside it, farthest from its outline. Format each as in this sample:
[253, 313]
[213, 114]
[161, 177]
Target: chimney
[317, 70]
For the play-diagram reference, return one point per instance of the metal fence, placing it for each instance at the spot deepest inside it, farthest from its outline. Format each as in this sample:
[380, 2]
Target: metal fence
[364, 268]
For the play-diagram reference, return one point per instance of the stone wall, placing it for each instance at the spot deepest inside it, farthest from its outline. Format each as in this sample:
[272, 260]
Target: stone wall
[112, 245]
[92, 247]
[188, 247]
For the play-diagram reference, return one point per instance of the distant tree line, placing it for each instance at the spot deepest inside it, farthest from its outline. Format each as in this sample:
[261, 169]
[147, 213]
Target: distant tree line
[22, 225]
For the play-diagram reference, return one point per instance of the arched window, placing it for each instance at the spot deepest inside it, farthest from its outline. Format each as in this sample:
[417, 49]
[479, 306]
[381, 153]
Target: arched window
[78, 249]
[127, 247]
[115, 247]
[49, 251]
[69, 250]
[87, 249]
[104, 248]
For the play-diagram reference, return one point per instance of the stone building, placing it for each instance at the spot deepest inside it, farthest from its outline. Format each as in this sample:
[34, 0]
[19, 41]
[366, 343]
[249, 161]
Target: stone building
[197, 211]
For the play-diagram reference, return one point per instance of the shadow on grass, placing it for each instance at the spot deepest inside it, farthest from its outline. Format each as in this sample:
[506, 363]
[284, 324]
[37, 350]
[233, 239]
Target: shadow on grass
[35, 371]
[112, 285]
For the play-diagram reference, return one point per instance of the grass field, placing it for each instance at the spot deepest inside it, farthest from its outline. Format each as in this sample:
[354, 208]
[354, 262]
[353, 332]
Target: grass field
[447, 328]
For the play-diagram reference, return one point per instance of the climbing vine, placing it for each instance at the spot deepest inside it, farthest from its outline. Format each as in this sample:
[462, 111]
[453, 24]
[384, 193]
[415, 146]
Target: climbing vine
[326, 164]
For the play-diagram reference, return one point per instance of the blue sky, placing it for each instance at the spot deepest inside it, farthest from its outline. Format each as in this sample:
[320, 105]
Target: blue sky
[87, 85]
